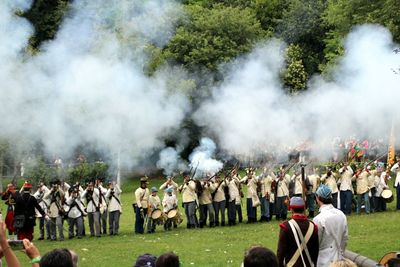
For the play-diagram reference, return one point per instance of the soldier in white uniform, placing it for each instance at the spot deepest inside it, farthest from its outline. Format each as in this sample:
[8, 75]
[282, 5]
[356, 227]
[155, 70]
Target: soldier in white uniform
[206, 205]
[170, 183]
[282, 194]
[169, 202]
[252, 198]
[362, 189]
[311, 183]
[102, 206]
[296, 185]
[75, 213]
[43, 224]
[187, 189]
[234, 198]
[55, 198]
[396, 169]
[141, 200]
[219, 201]
[154, 203]
[114, 207]
[346, 188]
[265, 197]
[374, 174]
[329, 179]
[92, 197]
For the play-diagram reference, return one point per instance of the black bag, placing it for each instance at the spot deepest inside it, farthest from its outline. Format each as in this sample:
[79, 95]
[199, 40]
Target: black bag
[19, 221]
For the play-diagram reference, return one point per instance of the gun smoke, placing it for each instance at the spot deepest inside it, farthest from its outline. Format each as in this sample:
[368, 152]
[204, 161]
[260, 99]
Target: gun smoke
[87, 86]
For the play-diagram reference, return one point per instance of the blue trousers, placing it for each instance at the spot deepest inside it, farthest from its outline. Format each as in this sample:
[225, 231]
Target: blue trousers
[265, 207]
[345, 201]
[360, 197]
[398, 197]
[139, 220]
[251, 211]
[190, 211]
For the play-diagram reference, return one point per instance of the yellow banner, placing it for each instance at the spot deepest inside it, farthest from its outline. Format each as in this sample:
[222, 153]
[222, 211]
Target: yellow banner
[391, 153]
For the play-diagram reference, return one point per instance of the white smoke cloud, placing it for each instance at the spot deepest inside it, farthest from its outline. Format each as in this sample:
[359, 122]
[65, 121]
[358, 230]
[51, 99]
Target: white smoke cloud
[170, 161]
[249, 113]
[202, 161]
[88, 85]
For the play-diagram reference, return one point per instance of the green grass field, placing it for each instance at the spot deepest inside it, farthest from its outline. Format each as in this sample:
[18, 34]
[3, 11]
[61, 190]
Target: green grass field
[370, 235]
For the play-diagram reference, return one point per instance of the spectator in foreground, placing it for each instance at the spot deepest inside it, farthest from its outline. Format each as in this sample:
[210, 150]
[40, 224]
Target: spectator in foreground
[168, 260]
[343, 263]
[259, 256]
[146, 260]
[332, 229]
[298, 234]
[59, 257]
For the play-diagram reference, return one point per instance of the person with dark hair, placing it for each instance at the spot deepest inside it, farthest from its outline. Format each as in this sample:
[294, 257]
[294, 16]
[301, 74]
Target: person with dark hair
[332, 229]
[24, 216]
[169, 259]
[298, 238]
[114, 207]
[346, 188]
[59, 257]
[142, 196]
[9, 197]
[55, 198]
[92, 197]
[188, 191]
[259, 256]
[145, 260]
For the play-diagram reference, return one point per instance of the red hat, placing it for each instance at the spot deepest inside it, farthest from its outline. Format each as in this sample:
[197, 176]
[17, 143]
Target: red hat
[27, 185]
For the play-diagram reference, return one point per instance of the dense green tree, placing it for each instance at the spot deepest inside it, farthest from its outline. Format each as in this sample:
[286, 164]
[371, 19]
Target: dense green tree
[46, 17]
[302, 24]
[341, 16]
[213, 36]
[294, 76]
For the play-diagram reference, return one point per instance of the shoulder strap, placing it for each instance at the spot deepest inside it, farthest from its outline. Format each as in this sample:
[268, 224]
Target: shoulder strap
[301, 244]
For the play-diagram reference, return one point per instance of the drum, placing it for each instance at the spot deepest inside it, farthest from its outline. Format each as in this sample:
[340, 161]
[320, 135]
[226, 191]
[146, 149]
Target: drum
[388, 257]
[156, 214]
[387, 195]
[175, 216]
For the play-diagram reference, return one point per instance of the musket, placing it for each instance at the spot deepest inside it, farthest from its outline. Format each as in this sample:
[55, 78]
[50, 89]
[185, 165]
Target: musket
[195, 170]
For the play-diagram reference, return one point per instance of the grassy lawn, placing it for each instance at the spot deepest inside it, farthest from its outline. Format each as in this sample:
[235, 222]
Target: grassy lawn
[370, 235]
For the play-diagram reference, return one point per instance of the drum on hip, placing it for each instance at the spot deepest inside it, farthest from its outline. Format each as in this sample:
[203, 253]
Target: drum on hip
[387, 195]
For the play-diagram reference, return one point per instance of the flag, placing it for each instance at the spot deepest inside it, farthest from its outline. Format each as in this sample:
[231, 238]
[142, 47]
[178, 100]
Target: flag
[391, 153]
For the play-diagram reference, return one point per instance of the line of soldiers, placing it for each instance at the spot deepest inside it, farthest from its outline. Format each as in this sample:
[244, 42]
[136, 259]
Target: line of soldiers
[208, 199]
[61, 202]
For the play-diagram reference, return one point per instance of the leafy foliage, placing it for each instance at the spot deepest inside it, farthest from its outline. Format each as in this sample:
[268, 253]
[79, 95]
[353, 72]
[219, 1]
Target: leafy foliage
[213, 36]
[295, 76]
[46, 17]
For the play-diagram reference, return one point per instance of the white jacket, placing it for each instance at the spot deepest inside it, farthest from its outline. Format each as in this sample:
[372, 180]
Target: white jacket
[114, 201]
[73, 203]
[396, 168]
[332, 234]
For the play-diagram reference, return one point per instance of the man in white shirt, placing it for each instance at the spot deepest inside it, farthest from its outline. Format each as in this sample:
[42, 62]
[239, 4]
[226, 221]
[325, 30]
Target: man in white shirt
[75, 213]
[187, 189]
[114, 207]
[332, 229]
[396, 168]
[169, 203]
[141, 204]
[92, 197]
[346, 188]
